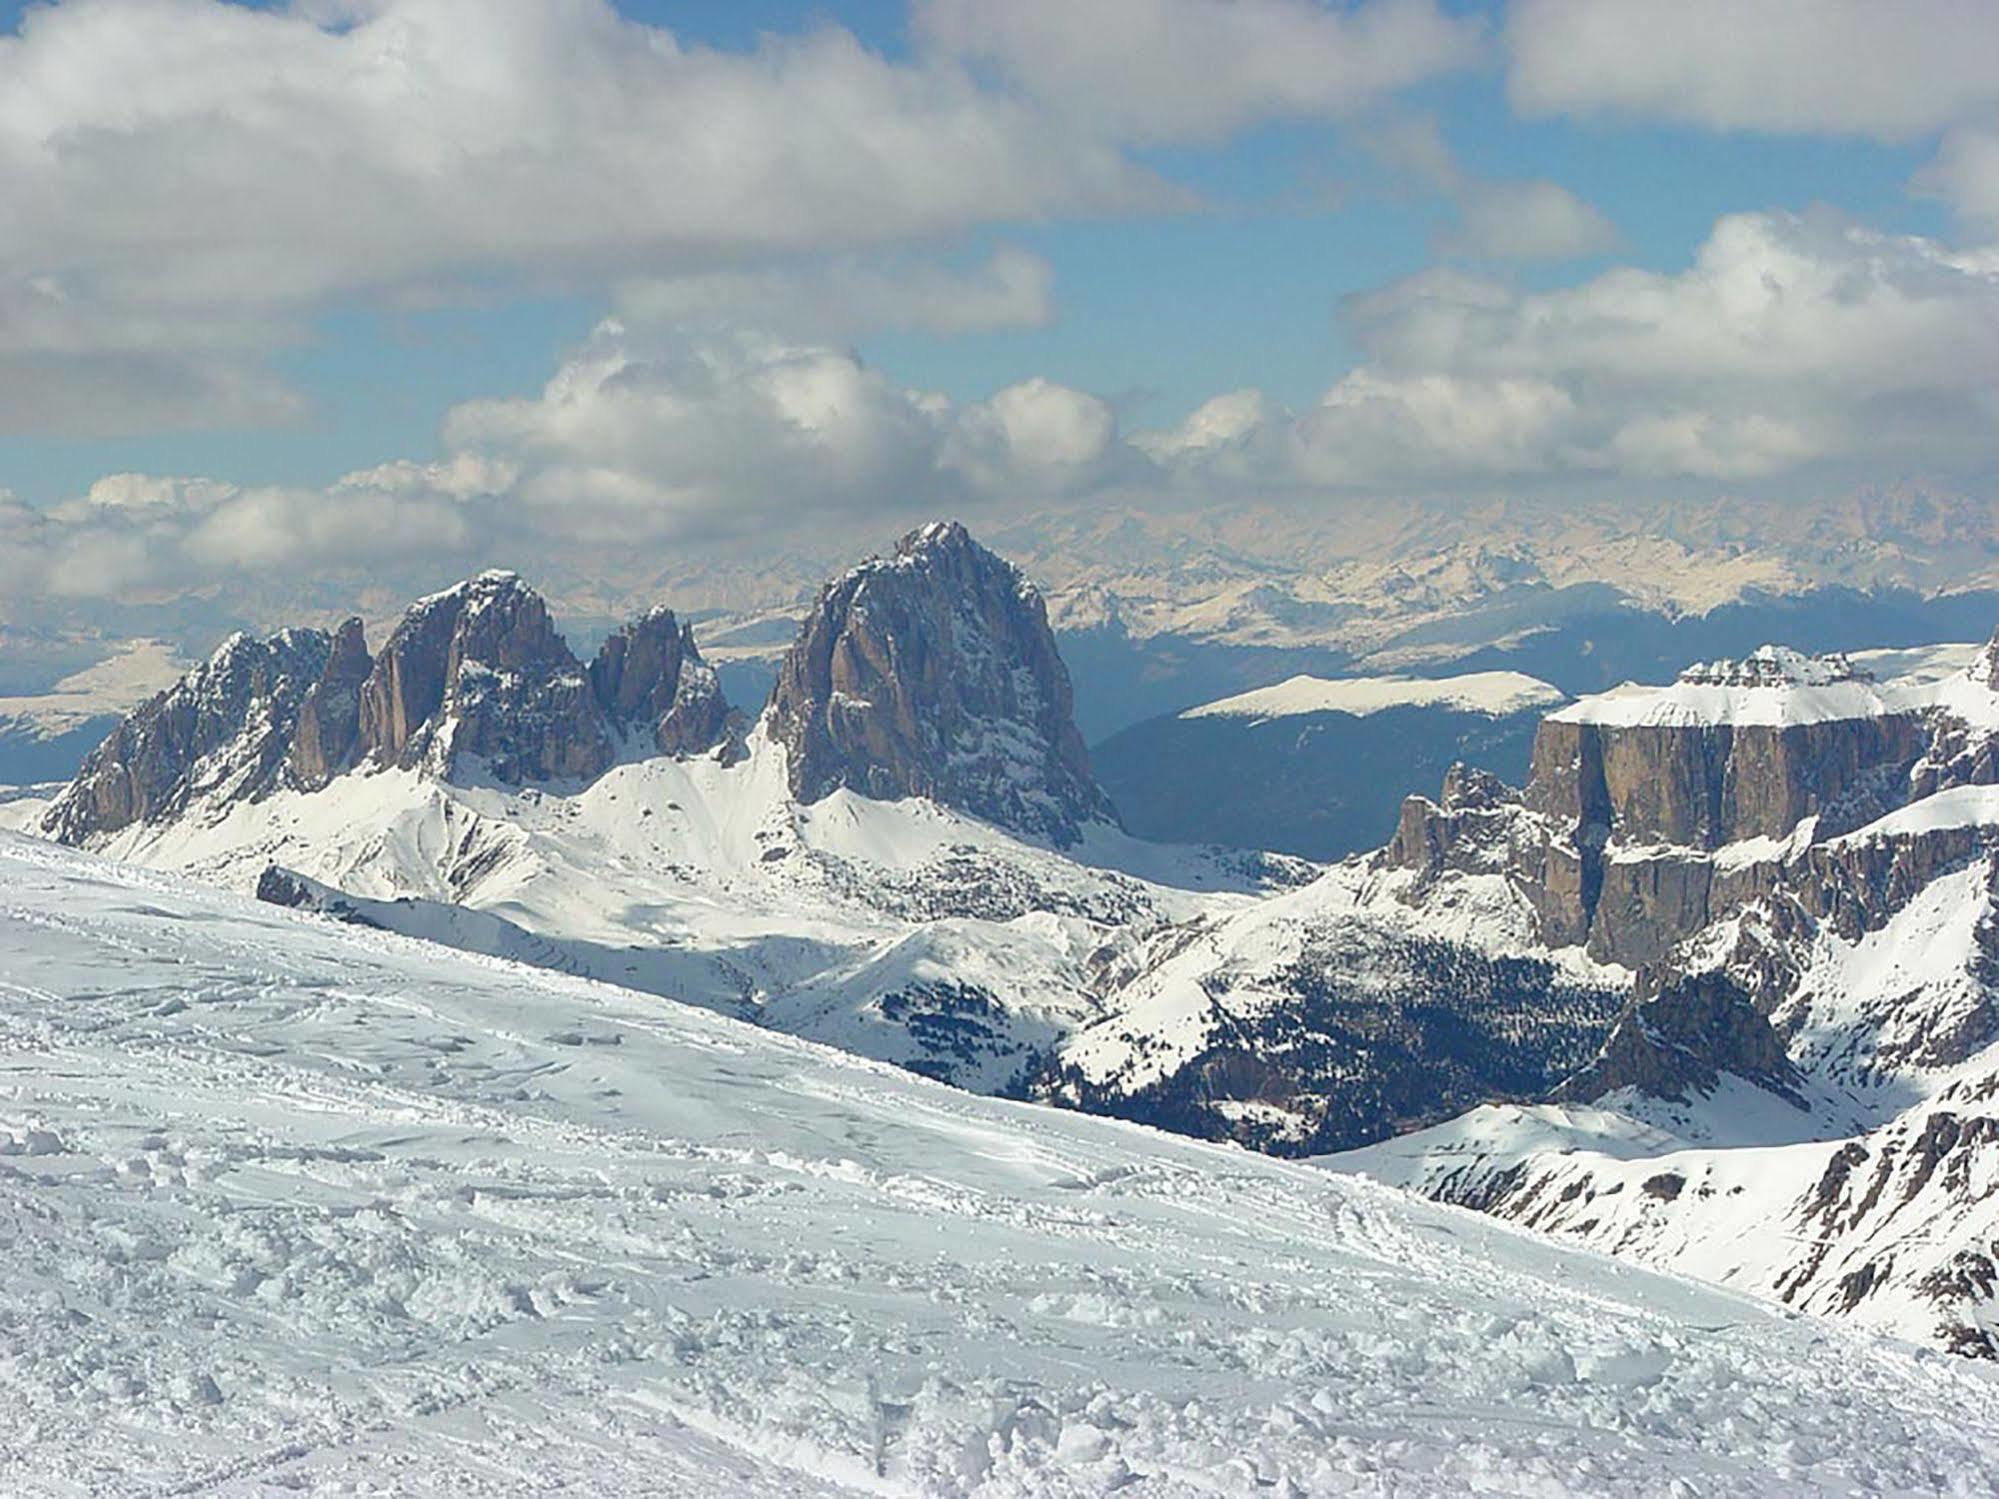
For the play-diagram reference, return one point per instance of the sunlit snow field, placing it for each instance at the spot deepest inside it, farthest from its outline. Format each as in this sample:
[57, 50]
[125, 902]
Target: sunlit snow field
[290, 1207]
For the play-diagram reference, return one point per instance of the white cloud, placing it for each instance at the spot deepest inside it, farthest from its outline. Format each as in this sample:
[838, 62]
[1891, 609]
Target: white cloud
[1790, 346]
[1506, 219]
[1890, 69]
[186, 181]
[1013, 288]
[1196, 70]
[1530, 220]
[636, 442]
[1032, 441]
[647, 441]
[1373, 429]
[1966, 171]
[1789, 342]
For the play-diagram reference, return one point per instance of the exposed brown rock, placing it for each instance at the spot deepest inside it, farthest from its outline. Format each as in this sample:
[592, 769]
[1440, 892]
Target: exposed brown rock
[224, 727]
[329, 722]
[479, 670]
[649, 676]
[933, 673]
[1681, 1040]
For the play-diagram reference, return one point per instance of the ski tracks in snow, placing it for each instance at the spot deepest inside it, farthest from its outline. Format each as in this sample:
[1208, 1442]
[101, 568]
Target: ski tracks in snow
[288, 1207]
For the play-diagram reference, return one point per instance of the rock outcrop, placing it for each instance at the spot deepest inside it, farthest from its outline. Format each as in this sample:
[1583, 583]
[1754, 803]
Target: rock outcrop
[474, 680]
[479, 671]
[1651, 811]
[224, 728]
[932, 672]
[329, 722]
[648, 676]
[1680, 1041]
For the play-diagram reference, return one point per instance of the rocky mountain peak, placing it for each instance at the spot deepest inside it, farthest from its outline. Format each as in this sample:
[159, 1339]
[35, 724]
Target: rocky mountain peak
[329, 721]
[1984, 668]
[932, 672]
[649, 677]
[1679, 1041]
[1775, 666]
[224, 728]
[473, 678]
[479, 670]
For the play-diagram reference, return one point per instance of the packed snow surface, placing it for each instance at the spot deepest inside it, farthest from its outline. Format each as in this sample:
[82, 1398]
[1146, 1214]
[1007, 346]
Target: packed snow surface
[1497, 693]
[291, 1207]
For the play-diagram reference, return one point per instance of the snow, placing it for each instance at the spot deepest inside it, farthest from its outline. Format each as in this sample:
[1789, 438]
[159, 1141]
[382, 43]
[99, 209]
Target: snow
[1216, 977]
[111, 686]
[1918, 663]
[1954, 807]
[22, 807]
[1876, 1025]
[1495, 693]
[291, 1207]
[705, 882]
[1701, 704]
[1779, 687]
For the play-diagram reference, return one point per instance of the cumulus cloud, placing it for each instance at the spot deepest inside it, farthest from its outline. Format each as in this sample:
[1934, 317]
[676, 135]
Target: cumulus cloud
[1891, 71]
[188, 180]
[1012, 288]
[1528, 220]
[132, 535]
[1790, 346]
[636, 442]
[1194, 70]
[1507, 219]
[1966, 171]
[1789, 342]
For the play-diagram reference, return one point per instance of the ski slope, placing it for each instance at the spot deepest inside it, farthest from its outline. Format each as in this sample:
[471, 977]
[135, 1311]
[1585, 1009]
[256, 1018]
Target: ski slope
[293, 1207]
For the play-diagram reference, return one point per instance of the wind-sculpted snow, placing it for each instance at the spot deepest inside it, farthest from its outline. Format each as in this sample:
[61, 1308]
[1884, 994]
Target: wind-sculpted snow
[291, 1207]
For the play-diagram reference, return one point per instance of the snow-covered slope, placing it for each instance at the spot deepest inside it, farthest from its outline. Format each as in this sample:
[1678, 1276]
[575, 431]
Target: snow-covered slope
[906, 855]
[45, 735]
[291, 1207]
[1493, 693]
[108, 688]
[1341, 1012]
[902, 930]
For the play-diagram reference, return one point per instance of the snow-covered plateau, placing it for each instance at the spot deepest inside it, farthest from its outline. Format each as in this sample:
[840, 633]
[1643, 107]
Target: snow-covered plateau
[1494, 693]
[292, 1207]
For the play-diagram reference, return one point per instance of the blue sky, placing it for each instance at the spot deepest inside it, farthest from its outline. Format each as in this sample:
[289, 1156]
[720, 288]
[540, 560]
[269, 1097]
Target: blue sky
[1641, 126]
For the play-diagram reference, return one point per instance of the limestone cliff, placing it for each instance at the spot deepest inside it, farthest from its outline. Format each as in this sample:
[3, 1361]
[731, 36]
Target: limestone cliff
[932, 672]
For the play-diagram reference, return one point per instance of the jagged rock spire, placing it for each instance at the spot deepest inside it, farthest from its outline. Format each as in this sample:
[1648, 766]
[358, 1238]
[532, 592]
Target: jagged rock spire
[476, 674]
[932, 672]
[224, 728]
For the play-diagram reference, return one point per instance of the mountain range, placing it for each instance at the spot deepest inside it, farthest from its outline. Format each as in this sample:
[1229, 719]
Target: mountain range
[1713, 987]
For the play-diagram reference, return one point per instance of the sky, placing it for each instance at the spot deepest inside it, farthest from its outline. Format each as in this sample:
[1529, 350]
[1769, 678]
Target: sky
[337, 284]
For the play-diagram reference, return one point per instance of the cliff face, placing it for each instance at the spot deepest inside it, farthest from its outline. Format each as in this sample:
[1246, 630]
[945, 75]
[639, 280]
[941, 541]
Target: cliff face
[226, 727]
[1680, 1041]
[480, 671]
[933, 673]
[1704, 785]
[650, 677]
[476, 676]
[1651, 812]
[329, 723]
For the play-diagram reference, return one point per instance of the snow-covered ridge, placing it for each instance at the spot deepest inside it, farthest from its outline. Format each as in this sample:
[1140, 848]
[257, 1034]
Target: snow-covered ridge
[1776, 666]
[298, 1208]
[1496, 693]
[1772, 687]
